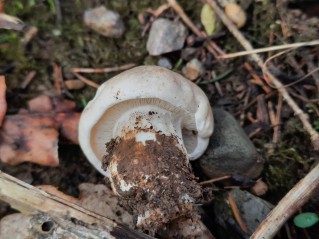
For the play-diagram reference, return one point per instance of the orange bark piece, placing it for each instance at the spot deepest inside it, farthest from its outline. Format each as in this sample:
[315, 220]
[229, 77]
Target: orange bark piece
[69, 124]
[3, 102]
[29, 138]
[56, 192]
[63, 105]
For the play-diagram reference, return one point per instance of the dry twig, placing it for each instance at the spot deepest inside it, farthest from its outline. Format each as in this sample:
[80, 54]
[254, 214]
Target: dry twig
[3, 102]
[86, 80]
[30, 76]
[58, 79]
[268, 49]
[257, 79]
[279, 86]
[211, 46]
[28, 199]
[236, 213]
[293, 200]
[301, 191]
[104, 70]
[214, 180]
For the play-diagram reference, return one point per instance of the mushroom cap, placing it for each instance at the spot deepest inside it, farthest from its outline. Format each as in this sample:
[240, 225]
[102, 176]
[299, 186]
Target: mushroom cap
[146, 85]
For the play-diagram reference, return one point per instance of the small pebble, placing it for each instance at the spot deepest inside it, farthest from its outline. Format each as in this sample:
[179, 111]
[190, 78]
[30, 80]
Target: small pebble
[252, 209]
[165, 36]
[74, 84]
[104, 21]
[193, 69]
[230, 151]
[236, 14]
[164, 62]
[259, 189]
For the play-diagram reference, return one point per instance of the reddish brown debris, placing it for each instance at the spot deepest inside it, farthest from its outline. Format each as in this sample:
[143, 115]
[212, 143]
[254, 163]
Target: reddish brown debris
[40, 104]
[32, 135]
[3, 102]
[26, 138]
[68, 123]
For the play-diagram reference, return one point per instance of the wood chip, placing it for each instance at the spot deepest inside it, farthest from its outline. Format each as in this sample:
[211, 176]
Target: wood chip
[3, 102]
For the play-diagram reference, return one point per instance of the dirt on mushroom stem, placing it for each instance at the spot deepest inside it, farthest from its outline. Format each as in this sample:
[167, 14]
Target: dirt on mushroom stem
[159, 185]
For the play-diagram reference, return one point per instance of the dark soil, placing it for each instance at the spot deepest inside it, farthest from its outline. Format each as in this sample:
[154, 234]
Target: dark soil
[164, 182]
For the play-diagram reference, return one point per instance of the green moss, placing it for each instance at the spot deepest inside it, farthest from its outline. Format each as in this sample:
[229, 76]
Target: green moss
[289, 164]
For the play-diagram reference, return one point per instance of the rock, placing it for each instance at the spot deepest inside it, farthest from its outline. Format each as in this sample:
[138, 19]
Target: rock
[193, 69]
[16, 226]
[74, 84]
[164, 62]
[252, 209]
[104, 21]
[165, 36]
[230, 151]
[236, 14]
[188, 53]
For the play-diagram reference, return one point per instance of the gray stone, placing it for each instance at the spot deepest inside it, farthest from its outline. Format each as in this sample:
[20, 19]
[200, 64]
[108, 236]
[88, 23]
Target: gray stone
[230, 151]
[165, 36]
[104, 21]
[164, 62]
[253, 210]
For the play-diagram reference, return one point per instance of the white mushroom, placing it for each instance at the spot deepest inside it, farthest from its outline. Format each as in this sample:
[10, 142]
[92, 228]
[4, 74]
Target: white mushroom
[143, 126]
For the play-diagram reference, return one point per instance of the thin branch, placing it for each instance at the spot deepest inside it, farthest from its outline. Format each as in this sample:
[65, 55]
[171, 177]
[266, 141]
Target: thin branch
[214, 180]
[268, 49]
[236, 213]
[3, 102]
[104, 70]
[86, 80]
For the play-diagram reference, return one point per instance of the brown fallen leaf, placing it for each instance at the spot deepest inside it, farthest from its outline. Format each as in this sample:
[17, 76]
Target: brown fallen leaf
[41, 103]
[26, 138]
[45, 103]
[3, 102]
[32, 135]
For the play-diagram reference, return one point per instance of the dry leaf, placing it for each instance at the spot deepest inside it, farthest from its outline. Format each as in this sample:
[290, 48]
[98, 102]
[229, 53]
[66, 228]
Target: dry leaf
[69, 123]
[29, 138]
[40, 104]
[44, 103]
[209, 19]
[32, 135]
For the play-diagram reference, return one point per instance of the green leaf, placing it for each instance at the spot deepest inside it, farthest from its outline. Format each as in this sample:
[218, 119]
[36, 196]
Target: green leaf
[306, 219]
[209, 19]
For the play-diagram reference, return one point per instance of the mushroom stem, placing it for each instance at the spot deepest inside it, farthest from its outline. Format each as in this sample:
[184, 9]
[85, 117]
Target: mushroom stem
[149, 167]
